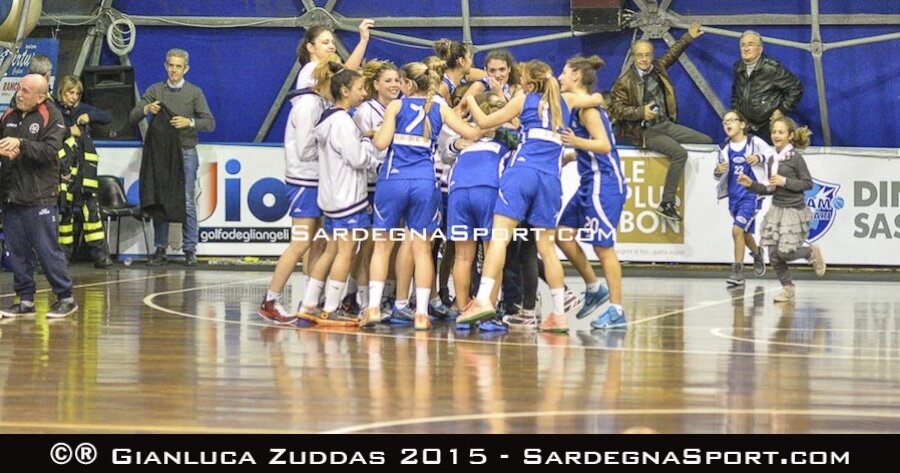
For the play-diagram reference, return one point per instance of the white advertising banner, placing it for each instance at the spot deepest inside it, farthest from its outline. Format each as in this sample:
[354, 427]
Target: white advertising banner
[242, 208]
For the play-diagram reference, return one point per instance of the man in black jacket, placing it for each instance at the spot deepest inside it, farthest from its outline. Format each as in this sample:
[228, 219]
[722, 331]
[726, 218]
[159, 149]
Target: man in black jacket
[762, 89]
[31, 135]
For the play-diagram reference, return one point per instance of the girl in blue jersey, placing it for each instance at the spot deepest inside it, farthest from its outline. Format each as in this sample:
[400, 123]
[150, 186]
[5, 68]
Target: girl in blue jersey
[530, 188]
[344, 159]
[741, 154]
[593, 212]
[301, 182]
[406, 188]
[382, 86]
[502, 77]
[473, 190]
[459, 58]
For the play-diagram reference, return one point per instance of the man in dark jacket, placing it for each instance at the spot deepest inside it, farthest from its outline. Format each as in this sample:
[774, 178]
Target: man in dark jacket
[191, 114]
[31, 135]
[645, 110]
[762, 89]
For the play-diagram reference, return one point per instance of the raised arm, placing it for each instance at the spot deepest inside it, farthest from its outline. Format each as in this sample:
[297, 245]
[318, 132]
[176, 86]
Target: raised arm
[356, 57]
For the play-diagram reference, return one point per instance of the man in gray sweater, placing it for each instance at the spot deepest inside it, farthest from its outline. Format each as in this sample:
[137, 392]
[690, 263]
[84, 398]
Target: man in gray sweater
[188, 103]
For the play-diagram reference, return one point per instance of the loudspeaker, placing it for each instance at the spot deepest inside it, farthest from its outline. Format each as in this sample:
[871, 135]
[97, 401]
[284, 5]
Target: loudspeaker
[112, 89]
[597, 15]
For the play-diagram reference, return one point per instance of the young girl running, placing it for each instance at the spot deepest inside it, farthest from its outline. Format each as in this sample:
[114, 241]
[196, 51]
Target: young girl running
[302, 178]
[741, 154]
[598, 203]
[530, 189]
[406, 187]
[344, 159]
[786, 224]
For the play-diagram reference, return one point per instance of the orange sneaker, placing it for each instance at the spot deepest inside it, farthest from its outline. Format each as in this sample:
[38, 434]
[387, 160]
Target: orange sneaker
[476, 311]
[371, 316]
[555, 323]
[335, 319]
[308, 313]
[422, 322]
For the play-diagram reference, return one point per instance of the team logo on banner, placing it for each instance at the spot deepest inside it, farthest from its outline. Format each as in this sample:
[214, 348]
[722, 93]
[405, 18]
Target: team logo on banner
[824, 203]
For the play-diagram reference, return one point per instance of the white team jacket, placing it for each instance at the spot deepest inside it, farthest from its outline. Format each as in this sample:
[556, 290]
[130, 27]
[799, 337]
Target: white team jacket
[344, 160]
[301, 165]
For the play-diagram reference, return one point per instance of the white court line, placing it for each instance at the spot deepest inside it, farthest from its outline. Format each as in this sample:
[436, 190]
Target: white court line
[614, 412]
[148, 300]
[703, 305]
[94, 284]
[719, 332]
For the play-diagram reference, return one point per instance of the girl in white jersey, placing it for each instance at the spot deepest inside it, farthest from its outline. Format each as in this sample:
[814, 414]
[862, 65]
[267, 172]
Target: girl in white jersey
[318, 44]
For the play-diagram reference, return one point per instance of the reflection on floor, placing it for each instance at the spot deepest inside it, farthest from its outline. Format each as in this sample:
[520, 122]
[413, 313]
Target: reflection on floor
[183, 351]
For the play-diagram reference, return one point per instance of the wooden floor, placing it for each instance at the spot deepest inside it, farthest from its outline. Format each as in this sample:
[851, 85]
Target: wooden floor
[183, 351]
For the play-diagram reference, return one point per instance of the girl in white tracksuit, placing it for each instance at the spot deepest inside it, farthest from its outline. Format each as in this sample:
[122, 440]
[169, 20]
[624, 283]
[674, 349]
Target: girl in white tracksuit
[301, 180]
[345, 157]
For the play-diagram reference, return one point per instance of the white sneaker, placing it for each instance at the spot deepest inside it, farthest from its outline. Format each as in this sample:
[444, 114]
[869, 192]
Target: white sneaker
[525, 320]
[572, 303]
[787, 294]
[817, 260]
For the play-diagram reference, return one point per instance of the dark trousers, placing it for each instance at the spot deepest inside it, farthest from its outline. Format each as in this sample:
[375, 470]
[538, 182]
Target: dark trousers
[666, 138]
[764, 132]
[34, 231]
[520, 274]
[780, 261]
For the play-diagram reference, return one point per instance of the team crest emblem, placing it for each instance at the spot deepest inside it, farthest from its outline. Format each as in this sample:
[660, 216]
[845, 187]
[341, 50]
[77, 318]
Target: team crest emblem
[824, 203]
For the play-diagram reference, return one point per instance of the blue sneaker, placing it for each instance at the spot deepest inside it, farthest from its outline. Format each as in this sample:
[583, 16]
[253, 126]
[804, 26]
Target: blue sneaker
[404, 316]
[493, 325]
[610, 319]
[442, 311]
[463, 327]
[593, 301]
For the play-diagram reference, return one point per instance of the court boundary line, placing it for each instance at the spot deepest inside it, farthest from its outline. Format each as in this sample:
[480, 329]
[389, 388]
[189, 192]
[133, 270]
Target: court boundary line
[149, 301]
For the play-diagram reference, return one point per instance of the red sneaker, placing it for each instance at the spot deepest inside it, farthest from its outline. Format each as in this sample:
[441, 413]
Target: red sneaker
[274, 312]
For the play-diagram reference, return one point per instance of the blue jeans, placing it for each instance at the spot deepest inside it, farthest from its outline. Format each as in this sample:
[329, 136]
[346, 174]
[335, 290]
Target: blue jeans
[34, 231]
[190, 230]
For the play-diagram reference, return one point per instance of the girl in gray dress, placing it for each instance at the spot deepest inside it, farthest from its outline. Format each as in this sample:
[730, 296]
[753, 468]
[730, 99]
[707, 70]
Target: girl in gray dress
[786, 224]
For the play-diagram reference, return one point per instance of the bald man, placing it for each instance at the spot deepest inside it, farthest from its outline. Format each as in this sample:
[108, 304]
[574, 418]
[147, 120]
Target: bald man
[31, 135]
